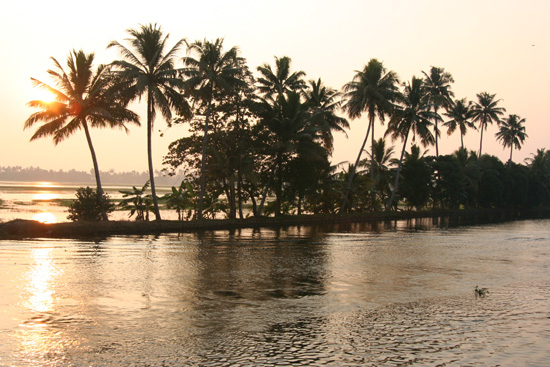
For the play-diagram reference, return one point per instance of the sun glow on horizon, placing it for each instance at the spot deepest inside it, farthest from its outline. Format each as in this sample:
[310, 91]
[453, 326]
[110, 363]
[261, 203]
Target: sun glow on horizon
[45, 217]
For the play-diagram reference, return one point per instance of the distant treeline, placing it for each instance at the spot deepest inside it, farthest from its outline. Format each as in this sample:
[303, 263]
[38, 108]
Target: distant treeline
[19, 173]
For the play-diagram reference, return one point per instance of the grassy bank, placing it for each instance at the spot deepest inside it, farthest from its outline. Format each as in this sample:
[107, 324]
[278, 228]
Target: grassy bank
[21, 229]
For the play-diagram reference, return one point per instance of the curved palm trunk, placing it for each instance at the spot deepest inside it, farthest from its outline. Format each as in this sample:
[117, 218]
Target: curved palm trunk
[511, 151]
[396, 184]
[150, 155]
[461, 141]
[345, 202]
[96, 172]
[203, 160]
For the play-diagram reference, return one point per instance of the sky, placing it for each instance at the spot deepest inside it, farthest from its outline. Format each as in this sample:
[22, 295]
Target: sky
[500, 47]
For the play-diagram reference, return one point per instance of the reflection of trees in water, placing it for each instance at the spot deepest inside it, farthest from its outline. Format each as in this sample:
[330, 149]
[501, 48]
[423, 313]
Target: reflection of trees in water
[248, 274]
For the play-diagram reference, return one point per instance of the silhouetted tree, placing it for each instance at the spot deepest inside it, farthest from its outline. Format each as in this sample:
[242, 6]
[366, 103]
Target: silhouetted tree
[212, 70]
[83, 99]
[148, 68]
[412, 114]
[512, 133]
[372, 90]
[486, 111]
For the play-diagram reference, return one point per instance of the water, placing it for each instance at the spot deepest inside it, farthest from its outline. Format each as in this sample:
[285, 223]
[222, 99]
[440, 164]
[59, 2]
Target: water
[49, 201]
[355, 295]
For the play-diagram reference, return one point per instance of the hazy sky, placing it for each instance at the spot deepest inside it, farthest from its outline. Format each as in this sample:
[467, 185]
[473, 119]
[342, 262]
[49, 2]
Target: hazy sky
[501, 47]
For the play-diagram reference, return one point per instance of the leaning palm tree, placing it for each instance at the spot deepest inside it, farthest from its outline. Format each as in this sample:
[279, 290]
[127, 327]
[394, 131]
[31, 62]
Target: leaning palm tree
[273, 83]
[438, 86]
[485, 111]
[83, 99]
[460, 114]
[372, 90]
[212, 71]
[512, 133]
[148, 69]
[324, 102]
[414, 114]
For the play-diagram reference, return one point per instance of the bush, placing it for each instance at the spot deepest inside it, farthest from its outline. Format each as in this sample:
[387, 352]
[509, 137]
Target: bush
[87, 206]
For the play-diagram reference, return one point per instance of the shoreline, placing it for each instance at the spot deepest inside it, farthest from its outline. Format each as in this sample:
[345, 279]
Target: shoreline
[30, 229]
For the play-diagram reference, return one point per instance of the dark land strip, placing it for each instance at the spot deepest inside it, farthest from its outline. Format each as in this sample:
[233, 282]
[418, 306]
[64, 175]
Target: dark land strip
[28, 229]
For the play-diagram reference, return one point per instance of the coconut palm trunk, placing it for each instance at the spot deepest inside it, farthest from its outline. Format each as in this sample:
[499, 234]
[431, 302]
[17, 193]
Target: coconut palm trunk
[481, 141]
[96, 172]
[436, 133]
[345, 201]
[150, 154]
[203, 160]
[396, 184]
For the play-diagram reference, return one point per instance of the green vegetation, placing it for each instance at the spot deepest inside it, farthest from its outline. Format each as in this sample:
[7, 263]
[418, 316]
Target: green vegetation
[261, 144]
[89, 206]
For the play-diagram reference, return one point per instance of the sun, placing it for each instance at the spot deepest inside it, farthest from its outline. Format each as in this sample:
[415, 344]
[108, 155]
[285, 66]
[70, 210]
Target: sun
[45, 217]
[37, 91]
[40, 94]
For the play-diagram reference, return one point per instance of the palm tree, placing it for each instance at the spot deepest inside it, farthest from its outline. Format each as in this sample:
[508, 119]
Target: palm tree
[212, 71]
[372, 90]
[460, 114]
[512, 133]
[323, 103]
[281, 81]
[485, 111]
[382, 161]
[83, 99]
[288, 121]
[438, 87]
[413, 114]
[148, 69]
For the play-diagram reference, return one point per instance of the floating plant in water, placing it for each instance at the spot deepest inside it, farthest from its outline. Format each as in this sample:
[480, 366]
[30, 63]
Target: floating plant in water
[481, 292]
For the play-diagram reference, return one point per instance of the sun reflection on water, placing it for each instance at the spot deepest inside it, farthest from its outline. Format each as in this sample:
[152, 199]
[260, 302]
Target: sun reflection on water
[39, 340]
[41, 276]
[45, 196]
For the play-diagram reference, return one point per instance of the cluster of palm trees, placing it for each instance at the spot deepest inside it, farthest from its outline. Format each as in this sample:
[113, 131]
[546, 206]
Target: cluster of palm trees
[252, 137]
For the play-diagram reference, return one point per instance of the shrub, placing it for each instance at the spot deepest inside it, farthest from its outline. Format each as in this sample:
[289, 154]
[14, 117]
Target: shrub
[87, 206]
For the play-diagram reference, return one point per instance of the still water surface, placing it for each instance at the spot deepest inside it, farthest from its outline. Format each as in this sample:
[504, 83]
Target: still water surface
[357, 295]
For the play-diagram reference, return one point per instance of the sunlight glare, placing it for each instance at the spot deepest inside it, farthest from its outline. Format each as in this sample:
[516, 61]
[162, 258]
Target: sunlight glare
[45, 196]
[39, 94]
[44, 218]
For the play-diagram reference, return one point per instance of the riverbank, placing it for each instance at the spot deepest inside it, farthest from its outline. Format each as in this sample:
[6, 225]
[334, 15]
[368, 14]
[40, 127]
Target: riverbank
[19, 229]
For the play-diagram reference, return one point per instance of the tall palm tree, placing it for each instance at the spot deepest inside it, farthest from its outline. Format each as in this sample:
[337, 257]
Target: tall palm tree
[460, 114]
[83, 99]
[486, 111]
[414, 114]
[323, 101]
[288, 121]
[148, 69]
[438, 86]
[273, 83]
[372, 90]
[213, 70]
[512, 133]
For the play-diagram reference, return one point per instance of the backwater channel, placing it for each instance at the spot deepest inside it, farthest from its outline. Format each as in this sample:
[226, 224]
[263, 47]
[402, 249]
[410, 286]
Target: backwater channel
[384, 294]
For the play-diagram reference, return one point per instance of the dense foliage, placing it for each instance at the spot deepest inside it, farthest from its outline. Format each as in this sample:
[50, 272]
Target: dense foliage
[88, 206]
[261, 144]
